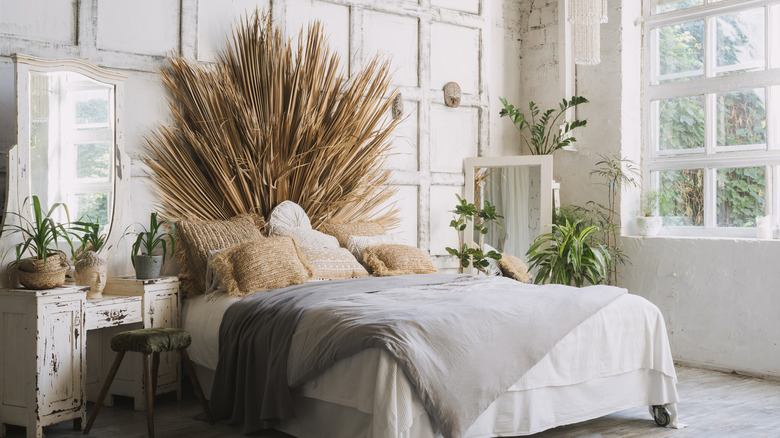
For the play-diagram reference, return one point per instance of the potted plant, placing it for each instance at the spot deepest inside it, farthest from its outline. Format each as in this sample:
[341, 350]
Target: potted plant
[46, 265]
[544, 139]
[569, 255]
[647, 222]
[91, 269]
[146, 264]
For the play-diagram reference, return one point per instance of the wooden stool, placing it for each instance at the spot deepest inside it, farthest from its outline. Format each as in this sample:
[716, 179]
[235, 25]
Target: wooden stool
[150, 342]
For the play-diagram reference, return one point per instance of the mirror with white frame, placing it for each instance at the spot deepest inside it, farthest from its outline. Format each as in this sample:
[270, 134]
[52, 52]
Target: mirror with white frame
[70, 149]
[520, 187]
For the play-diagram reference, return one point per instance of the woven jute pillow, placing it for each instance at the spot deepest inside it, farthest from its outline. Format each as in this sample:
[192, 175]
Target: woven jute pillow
[343, 231]
[357, 244]
[259, 265]
[514, 267]
[196, 238]
[332, 263]
[385, 260]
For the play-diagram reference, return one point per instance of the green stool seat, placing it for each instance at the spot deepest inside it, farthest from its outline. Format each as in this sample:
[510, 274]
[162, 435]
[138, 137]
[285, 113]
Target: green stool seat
[151, 340]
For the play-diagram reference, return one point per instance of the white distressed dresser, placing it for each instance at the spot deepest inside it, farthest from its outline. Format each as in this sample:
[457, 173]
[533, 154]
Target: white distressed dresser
[55, 348]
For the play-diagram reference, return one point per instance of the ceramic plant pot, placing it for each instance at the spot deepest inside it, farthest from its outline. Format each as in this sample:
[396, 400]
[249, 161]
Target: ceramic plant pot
[648, 225]
[92, 271]
[147, 266]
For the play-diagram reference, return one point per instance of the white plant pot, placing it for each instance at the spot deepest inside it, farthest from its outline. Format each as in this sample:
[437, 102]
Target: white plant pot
[648, 225]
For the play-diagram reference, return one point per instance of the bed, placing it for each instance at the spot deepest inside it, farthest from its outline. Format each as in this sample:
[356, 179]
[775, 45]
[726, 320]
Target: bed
[617, 358]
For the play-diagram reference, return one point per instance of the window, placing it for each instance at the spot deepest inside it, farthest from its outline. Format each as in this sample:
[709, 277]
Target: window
[712, 114]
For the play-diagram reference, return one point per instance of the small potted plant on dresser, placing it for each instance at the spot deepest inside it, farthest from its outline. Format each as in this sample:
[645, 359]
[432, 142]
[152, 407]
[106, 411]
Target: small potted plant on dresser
[46, 265]
[91, 269]
[146, 264]
[647, 222]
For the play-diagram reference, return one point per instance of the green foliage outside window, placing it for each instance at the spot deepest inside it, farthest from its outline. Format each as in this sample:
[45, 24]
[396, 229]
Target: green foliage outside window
[91, 111]
[741, 120]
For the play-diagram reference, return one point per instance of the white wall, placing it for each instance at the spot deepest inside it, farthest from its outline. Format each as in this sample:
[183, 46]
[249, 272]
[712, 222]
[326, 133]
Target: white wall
[431, 42]
[719, 296]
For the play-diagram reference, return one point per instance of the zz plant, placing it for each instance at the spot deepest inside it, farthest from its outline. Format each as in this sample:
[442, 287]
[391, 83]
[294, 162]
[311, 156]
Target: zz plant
[569, 255]
[466, 212]
[546, 136]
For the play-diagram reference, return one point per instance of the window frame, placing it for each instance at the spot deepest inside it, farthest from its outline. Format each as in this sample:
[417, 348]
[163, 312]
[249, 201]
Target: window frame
[709, 85]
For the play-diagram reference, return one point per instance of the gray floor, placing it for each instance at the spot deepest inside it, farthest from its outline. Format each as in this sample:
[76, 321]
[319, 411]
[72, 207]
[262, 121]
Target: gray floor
[713, 404]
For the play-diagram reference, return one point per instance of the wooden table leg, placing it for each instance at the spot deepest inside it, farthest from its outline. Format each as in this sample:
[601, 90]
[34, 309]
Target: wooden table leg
[104, 390]
[149, 390]
[187, 364]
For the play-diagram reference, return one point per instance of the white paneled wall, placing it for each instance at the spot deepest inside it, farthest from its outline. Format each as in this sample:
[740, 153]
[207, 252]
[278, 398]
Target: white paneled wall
[429, 43]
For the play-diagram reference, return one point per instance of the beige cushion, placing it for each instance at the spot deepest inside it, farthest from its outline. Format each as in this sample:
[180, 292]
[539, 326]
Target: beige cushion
[332, 263]
[357, 244]
[286, 216]
[514, 267]
[195, 239]
[312, 239]
[391, 259]
[250, 267]
[343, 231]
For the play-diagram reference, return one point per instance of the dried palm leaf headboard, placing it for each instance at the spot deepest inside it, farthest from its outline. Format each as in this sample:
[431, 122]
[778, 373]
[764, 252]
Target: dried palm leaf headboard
[269, 122]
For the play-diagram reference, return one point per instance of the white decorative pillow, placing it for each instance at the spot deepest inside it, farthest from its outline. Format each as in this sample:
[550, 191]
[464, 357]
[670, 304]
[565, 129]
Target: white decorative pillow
[312, 239]
[357, 244]
[286, 216]
[493, 269]
[332, 263]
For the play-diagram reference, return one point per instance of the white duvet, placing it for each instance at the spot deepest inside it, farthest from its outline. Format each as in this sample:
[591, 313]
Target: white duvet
[618, 358]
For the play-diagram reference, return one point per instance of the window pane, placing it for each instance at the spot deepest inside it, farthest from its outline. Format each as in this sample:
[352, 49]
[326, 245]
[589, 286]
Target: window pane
[741, 196]
[681, 123]
[92, 108]
[742, 118]
[680, 51]
[93, 207]
[92, 160]
[682, 197]
[740, 41]
[673, 5]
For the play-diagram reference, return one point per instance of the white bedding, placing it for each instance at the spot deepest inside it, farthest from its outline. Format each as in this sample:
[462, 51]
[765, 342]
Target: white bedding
[618, 358]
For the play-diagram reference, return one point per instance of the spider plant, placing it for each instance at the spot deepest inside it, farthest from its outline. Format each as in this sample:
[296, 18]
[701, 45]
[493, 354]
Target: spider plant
[150, 238]
[88, 233]
[42, 234]
[569, 255]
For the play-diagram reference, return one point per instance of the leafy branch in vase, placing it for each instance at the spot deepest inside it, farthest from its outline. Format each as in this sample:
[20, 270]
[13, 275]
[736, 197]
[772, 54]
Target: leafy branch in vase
[466, 212]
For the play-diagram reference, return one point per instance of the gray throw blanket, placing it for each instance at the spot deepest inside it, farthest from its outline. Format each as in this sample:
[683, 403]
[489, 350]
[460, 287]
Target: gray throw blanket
[461, 340]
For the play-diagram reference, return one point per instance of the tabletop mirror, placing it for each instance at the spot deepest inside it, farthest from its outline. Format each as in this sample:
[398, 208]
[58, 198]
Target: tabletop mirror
[521, 189]
[70, 147]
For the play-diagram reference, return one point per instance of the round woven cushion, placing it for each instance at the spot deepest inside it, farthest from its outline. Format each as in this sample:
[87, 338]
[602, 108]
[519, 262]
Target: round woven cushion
[285, 217]
[151, 340]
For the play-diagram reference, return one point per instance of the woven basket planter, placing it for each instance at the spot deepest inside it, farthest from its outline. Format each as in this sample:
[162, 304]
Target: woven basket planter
[35, 274]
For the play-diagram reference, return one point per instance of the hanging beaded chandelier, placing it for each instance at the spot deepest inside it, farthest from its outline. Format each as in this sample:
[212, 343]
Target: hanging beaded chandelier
[586, 16]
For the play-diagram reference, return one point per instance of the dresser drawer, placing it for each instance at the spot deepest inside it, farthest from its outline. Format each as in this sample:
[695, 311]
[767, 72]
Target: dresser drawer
[110, 311]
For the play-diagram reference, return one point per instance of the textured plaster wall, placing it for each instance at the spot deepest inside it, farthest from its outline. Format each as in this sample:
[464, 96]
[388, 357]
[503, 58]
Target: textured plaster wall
[719, 296]
[430, 42]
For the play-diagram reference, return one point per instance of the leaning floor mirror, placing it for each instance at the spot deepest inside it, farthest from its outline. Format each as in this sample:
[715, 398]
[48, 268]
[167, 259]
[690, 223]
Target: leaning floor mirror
[70, 149]
[520, 187]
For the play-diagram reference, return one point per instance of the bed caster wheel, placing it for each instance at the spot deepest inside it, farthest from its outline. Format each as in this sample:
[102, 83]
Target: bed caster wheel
[661, 415]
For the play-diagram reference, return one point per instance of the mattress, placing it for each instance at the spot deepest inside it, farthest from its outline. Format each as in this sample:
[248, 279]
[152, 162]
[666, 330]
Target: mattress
[618, 358]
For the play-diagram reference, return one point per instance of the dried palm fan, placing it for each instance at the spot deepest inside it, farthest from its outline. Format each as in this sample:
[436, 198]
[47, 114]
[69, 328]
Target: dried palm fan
[269, 123]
